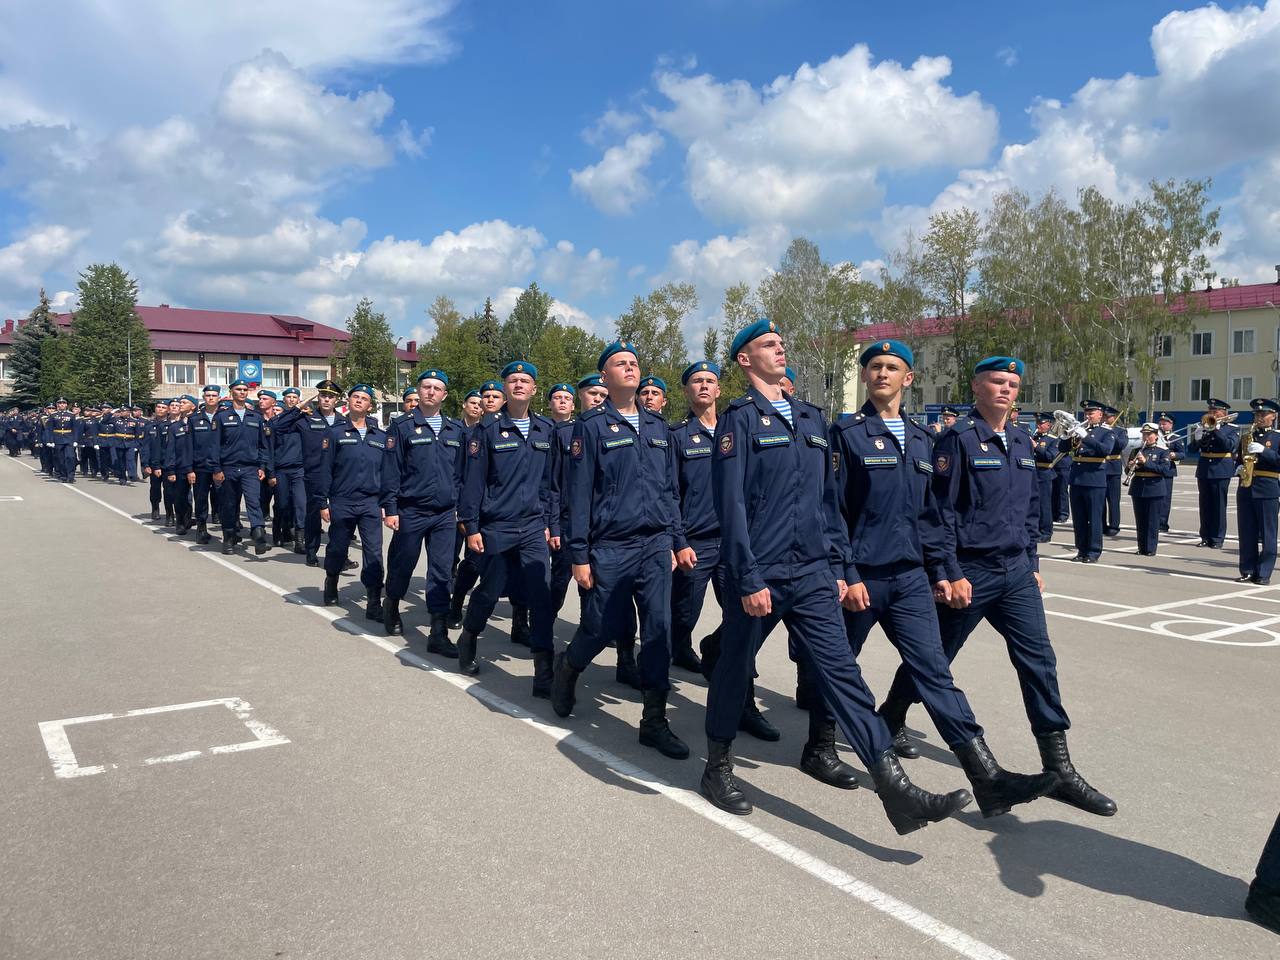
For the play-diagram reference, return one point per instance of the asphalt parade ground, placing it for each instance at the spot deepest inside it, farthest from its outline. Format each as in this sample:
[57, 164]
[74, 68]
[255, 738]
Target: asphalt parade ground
[200, 761]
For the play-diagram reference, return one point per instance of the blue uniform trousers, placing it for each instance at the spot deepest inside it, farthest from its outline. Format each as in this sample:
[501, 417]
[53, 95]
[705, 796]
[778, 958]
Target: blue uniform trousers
[1257, 522]
[642, 571]
[65, 461]
[344, 517]
[88, 462]
[291, 496]
[1044, 477]
[437, 529]
[108, 462]
[1087, 505]
[156, 491]
[1213, 509]
[1061, 497]
[1146, 513]
[132, 463]
[689, 590]
[1113, 504]
[522, 570]
[1006, 596]
[206, 492]
[179, 494]
[240, 482]
[811, 611]
[1268, 875]
[46, 459]
[1167, 503]
[902, 603]
[312, 527]
[561, 577]
[121, 457]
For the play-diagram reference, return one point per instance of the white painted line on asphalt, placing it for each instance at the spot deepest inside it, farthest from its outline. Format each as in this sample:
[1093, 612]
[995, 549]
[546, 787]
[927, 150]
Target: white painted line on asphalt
[934, 929]
[10, 499]
[67, 767]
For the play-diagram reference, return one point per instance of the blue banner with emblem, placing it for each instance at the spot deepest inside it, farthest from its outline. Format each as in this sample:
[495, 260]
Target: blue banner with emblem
[251, 371]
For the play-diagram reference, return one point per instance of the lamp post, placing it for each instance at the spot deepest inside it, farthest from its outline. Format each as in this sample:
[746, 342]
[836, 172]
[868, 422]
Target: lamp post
[128, 359]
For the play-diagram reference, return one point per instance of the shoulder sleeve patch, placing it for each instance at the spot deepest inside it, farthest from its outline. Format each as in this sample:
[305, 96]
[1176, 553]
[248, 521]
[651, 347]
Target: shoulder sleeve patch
[941, 463]
[324, 444]
[726, 444]
[835, 462]
[391, 442]
[575, 448]
[473, 448]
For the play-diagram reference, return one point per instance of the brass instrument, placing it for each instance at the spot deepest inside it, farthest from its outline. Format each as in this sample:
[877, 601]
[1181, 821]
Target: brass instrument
[1249, 460]
[1063, 424]
[1210, 422]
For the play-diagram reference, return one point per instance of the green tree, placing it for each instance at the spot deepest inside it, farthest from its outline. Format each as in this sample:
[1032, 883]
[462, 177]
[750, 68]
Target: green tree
[529, 317]
[564, 353]
[738, 310]
[55, 368]
[26, 358]
[109, 352]
[656, 324]
[370, 355]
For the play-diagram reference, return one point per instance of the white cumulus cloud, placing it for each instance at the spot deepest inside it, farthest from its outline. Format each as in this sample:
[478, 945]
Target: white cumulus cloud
[619, 181]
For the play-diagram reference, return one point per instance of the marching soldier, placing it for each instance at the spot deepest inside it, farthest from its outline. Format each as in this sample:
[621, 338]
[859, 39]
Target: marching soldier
[350, 485]
[44, 441]
[882, 463]
[153, 449]
[1089, 445]
[87, 446]
[1045, 448]
[202, 437]
[312, 426]
[468, 570]
[177, 459]
[1215, 442]
[987, 504]
[561, 403]
[1177, 451]
[465, 567]
[625, 538]
[287, 468]
[1258, 493]
[1152, 466]
[421, 480]
[788, 563]
[65, 429]
[238, 456]
[105, 442]
[1114, 470]
[653, 394]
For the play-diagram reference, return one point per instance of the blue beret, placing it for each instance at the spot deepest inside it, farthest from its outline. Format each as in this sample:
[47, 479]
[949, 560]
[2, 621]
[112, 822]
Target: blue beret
[267, 393]
[237, 382]
[618, 346]
[190, 399]
[290, 390]
[1262, 405]
[652, 381]
[700, 366]
[562, 388]
[789, 374]
[361, 388]
[590, 380]
[519, 366]
[1216, 404]
[999, 364]
[1091, 405]
[749, 333]
[470, 394]
[490, 385]
[213, 388]
[411, 392]
[434, 374]
[888, 348]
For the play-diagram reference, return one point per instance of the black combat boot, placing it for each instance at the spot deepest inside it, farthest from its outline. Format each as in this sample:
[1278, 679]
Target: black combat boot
[563, 681]
[259, 535]
[454, 617]
[684, 658]
[391, 625]
[520, 625]
[1071, 788]
[373, 609]
[155, 513]
[626, 672]
[903, 745]
[349, 566]
[438, 642]
[313, 558]
[718, 784]
[655, 731]
[820, 760]
[467, 652]
[908, 807]
[299, 540]
[753, 721]
[330, 591]
[996, 789]
[202, 532]
[168, 517]
[543, 673]
[228, 543]
[1263, 906]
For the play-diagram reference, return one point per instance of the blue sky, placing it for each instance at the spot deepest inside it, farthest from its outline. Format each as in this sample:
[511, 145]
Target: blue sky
[294, 156]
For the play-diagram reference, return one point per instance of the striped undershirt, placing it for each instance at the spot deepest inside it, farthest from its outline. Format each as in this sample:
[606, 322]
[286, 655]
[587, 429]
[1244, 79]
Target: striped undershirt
[783, 407]
[898, 428]
[522, 426]
[435, 423]
[633, 419]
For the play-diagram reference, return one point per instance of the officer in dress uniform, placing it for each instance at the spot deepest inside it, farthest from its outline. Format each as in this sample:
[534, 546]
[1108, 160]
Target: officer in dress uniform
[625, 538]
[108, 444]
[151, 455]
[88, 443]
[653, 394]
[1152, 467]
[204, 489]
[65, 429]
[312, 426]
[44, 439]
[177, 461]
[350, 486]
[1177, 451]
[421, 480]
[883, 467]
[1114, 469]
[238, 456]
[986, 491]
[1089, 444]
[1257, 503]
[1216, 445]
[946, 420]
[560, 402]
[787, 562]
[121, 428]
[137, 430]
[506, 511]
[1046, 452]
[1062, 487]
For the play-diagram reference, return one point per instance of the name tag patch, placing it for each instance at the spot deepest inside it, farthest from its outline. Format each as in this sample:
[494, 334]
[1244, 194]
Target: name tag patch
[418, 441]
[619, 442]
[509, 445]
[344, 440]
[886, 461]
[924, 466]
[816, 441]
[986, 463]
[697, 451]
[775, 440]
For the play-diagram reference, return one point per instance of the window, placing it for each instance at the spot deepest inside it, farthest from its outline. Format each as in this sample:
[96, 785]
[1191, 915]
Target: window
[1200, 389]
[1242, 341]
[275, 376]
[180, 373]
[1162, 391]
[1163, 346]
[220, 374]
[312, 378]
[941, 394]
[1241, 388]
[1202, 344]
[4, 370]
[1057, 393]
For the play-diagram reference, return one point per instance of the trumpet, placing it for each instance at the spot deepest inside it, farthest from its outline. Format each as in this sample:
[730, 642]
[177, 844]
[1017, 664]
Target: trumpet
[1210, 422]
